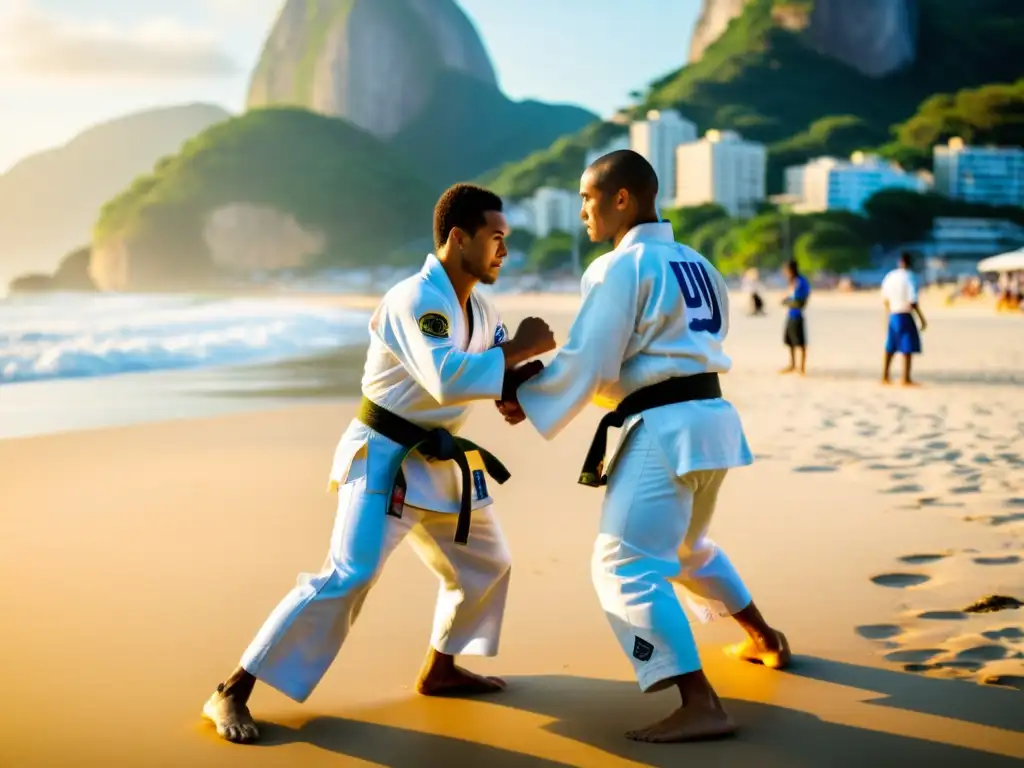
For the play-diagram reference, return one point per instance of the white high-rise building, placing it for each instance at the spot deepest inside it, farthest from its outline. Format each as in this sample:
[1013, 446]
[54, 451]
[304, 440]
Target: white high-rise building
[519, 215]
[656, 138]
[554, 210]
[830, 184]
[721, 168]
[990, 175]
[619, 142]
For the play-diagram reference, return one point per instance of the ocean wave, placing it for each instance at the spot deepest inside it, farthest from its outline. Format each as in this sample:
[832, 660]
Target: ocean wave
[66, 336]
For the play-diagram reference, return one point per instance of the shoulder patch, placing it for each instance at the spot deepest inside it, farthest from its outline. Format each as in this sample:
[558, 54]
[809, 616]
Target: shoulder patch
[500, 334]
[434, 324]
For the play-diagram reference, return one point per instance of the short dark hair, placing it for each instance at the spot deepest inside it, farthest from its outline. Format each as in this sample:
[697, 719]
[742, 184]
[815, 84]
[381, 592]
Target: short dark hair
[791, 265]
[628, 170]
[906, 259]
[463, 206]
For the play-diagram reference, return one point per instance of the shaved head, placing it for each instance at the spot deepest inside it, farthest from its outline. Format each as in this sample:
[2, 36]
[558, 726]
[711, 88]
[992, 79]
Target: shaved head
[628, 170]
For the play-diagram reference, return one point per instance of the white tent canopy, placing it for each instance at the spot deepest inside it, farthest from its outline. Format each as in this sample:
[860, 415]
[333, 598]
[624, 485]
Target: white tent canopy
[1004, 262]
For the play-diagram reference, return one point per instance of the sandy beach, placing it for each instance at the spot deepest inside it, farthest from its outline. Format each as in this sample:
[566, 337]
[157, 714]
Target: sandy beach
[137, 562]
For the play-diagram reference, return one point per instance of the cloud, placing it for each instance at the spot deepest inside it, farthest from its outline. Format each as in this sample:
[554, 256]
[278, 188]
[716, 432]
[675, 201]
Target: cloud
[36, 43]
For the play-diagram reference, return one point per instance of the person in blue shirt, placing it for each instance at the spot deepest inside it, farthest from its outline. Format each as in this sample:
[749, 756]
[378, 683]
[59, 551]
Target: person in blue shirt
[795, 336]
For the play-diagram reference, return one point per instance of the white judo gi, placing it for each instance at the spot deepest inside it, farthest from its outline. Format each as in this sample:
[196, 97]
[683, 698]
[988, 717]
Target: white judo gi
[652, 309]
[423, 365]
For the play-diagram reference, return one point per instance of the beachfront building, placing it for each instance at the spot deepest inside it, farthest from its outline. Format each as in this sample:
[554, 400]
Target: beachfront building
[989, 175]
[721, 168]
[831, 184]
[619, 142]
[519, 215]
[656, 138]
[549, 210]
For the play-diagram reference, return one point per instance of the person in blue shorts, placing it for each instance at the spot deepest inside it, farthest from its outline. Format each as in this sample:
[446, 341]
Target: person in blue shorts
[899, 293]
[795, 335]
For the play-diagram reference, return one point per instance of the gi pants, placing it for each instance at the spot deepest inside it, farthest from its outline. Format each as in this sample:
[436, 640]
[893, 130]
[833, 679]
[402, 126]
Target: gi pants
[653, 536]
[303, 635]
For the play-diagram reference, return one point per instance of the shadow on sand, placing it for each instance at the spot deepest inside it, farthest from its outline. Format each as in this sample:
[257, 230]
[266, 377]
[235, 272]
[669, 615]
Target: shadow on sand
[595, 712]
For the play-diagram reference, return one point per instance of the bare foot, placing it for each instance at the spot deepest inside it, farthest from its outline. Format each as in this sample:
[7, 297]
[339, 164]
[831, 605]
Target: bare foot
[910, 384]
[232, 720]
[886, 382]
[688, 723]
[788, 370]
[457, 682]
[773, 653]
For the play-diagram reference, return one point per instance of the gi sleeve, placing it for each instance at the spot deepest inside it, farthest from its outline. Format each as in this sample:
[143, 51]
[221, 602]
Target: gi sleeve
[591, 358]
[417, 330]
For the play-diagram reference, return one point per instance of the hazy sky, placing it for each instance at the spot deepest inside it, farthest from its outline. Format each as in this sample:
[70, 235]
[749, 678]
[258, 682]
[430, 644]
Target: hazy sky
[67, 64]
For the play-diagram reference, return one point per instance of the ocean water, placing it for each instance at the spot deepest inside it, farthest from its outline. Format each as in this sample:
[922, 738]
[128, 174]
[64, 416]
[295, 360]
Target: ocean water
[68, 336]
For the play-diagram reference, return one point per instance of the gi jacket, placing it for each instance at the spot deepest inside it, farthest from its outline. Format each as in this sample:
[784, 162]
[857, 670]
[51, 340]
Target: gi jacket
[423, 365]
[652, 309]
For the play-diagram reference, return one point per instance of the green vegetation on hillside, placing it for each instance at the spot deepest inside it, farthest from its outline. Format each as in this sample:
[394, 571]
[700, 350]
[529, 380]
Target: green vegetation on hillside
[763, 81]
[992, 114]
[333, 178]
[469, 126]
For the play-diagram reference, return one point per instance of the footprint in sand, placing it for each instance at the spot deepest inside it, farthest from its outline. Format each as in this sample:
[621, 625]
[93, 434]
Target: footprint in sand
[814, 468]
[905, 488]
[983, 653]
[900, 580]
[901, 475]
[1005, 560]
[1013, 634]
[965, 489]
[1013, 503]
[922, 559]
[936, 446]
[942, 616]
[914, 655]
[1013, 517]
[879, 631]
[1006, 681]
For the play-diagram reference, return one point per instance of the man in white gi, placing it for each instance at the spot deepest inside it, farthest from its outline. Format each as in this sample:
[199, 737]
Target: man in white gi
[435, 346]
[648, 342]
[899, 294]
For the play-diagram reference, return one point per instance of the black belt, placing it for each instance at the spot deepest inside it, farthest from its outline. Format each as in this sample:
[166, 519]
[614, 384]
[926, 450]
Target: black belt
[438, 444]
[681, 389]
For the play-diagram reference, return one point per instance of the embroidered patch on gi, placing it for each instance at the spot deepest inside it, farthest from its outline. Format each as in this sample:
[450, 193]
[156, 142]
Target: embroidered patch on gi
[435, 325]
[500, 334]
[480, 484]
[642, 650]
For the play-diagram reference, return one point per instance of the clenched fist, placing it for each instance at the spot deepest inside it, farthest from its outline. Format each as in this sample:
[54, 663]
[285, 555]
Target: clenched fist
[535, 335]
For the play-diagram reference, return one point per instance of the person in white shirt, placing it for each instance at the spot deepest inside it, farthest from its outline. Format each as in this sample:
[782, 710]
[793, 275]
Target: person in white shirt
[648, 343]
[899, 294]
[436, 345]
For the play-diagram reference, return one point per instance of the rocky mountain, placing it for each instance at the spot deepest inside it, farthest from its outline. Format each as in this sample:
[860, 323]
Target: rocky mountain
[875, 37]
[277, 188]
[49, 201]
[401, 69]
[767, 78]
[373, 62]
[715, 16]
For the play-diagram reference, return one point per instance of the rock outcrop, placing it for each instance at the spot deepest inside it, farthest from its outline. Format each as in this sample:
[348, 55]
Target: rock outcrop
[273, 189]
[243, 238]
[71, 275]
[875, 37]
[373, 62]
[715, 16]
